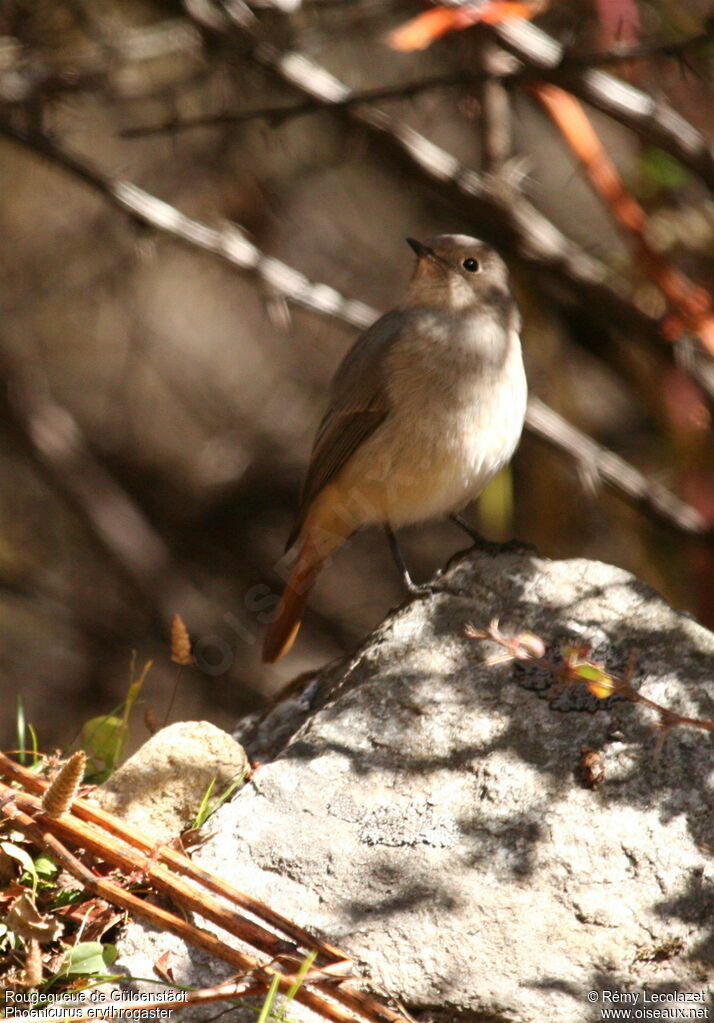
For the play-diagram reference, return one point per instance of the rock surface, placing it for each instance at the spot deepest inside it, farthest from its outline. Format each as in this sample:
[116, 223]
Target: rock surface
[426, 815]
[160, 788]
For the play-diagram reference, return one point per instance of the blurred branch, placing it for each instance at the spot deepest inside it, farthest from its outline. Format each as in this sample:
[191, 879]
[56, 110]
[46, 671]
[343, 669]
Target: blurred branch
[230, 244]
[280, 113]
[516, 71]
[536, 239]
[655, 120]
[55, 444]
[23, 74]
[599, 465]
[642, 51]
[690, 306]
[26, 74]
[495, 114]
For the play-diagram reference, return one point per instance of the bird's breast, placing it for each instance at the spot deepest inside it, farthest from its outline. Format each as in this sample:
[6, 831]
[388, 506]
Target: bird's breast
[451, 428]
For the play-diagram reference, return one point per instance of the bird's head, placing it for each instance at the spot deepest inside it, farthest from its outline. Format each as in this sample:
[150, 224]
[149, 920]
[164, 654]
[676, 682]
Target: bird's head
[454, 271]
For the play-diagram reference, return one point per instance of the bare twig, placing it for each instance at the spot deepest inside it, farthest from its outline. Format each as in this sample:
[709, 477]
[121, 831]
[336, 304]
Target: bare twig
[537, 240]
[111, 825]
[228, 242]
[604, 466]
[652, 119]
[94, 840]
[41, 831]
[231, 245]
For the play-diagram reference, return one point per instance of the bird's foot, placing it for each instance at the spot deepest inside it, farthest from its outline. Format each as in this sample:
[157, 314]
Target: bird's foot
[516, 547]
[421, 589]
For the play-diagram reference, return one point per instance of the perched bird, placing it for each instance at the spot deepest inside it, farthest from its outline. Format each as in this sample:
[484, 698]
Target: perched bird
[425, 408]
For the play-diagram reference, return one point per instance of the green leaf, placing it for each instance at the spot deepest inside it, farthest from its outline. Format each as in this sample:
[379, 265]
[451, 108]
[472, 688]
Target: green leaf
[659, 171]
[22, 856]
[598, 681]
[36, 758]
[69, 896]
[88, 959]
[495, 505]
[209, 806]
[45, 867]
[134, 690]
[297, 983]
[203, 812]
[103, 739]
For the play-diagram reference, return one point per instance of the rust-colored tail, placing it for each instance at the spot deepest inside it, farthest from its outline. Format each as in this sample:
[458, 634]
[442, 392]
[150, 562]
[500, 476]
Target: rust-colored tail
[281, 634]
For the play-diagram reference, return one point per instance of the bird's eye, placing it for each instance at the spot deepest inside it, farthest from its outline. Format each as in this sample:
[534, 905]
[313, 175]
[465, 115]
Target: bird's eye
[472, 265]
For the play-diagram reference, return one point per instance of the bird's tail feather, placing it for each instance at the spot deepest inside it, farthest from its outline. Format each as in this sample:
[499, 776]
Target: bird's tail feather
[281, 634]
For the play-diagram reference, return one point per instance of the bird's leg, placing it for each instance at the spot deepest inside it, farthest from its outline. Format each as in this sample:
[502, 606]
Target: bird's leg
[414, 589]
[488, 546]
[480, 542]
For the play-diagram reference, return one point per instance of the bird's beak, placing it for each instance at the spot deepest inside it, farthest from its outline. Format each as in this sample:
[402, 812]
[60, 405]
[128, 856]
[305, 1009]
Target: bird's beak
[419, 247]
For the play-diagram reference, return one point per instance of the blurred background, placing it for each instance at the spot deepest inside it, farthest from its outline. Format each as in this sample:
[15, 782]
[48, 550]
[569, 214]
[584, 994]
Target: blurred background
[159, 400]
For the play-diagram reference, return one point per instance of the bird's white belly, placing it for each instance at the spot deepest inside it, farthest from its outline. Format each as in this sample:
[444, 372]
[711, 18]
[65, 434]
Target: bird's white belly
[454, 468]
[430, 460]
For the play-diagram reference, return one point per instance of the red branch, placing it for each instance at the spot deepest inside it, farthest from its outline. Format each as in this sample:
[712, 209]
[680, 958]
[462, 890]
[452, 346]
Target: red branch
[690, 305]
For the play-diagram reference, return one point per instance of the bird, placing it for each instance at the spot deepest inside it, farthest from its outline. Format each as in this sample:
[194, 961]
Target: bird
[424, 410]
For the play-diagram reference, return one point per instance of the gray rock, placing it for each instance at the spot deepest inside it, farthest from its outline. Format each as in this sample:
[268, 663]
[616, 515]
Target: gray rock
[426, 813]
[159, 789]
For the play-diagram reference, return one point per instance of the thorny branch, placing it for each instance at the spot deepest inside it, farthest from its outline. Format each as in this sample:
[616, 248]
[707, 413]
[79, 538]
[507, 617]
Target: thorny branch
[229, 243]
[576, 668]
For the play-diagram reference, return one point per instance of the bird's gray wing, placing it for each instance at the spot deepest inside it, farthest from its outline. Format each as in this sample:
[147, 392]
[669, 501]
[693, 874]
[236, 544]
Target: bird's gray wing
[359, 403]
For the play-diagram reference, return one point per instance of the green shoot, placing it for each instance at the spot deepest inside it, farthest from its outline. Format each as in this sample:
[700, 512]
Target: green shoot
[104, 738]
[297, 983]
[36, 758]
[209, 806]
[267, 1007]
